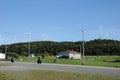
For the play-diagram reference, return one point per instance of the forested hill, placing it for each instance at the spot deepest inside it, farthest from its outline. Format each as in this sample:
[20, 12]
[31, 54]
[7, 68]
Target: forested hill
[94, 47]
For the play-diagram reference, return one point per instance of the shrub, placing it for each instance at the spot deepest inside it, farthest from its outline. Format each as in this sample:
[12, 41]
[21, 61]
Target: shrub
[10, 54]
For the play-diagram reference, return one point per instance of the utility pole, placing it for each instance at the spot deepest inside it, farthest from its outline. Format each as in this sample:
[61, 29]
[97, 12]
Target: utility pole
[6, 52]
[29, 37]
[100, 37]
[80, 48]
[83, 61]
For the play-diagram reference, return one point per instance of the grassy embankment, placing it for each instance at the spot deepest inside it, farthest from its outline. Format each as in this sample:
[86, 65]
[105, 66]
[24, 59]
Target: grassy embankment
[106, 61]
[50, 75]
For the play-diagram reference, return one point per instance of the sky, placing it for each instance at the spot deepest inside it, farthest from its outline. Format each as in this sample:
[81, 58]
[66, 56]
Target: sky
[58, 20]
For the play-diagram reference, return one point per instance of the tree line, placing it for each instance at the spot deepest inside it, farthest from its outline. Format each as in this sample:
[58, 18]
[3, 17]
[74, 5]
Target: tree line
[93, 47]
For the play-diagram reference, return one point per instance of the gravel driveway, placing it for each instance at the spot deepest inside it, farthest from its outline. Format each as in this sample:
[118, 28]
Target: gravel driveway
[114, 72]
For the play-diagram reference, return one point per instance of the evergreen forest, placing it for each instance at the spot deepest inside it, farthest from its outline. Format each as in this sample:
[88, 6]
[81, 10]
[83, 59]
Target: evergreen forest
[93, 47]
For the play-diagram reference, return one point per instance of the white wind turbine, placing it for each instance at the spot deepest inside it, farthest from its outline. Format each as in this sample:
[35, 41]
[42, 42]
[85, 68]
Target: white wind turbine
[44, 37]
[100, 32]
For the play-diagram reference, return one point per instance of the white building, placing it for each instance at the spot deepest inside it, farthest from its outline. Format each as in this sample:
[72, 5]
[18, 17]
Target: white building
[2, 55]
[32, 55]
[69, 54]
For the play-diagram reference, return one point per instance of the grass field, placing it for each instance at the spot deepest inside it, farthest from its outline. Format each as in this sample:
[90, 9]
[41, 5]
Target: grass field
[50, 75]
[89, 61]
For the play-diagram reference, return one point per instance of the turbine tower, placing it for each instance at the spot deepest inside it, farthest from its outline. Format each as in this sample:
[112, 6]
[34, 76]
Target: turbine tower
[0, 37]
[100, 32]
[106, 35]
[14, 40]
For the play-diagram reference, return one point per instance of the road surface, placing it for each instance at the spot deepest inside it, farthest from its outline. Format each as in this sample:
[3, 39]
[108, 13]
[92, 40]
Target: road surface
[114, 72]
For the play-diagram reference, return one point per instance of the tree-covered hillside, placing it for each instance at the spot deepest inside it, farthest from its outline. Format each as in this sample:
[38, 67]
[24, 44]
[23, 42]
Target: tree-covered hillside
[94, 47]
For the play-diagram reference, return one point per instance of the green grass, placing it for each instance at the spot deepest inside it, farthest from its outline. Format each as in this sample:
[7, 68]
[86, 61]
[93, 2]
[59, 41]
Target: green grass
[50, 75]
[89, 61]
[99, 61]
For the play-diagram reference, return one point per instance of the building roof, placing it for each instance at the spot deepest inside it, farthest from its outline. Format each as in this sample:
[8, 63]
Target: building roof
[71, 51]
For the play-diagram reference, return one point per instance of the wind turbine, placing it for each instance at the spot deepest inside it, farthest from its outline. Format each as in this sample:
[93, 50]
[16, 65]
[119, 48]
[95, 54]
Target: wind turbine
[14, 40]
[44, 37]
[106, 35]
[0, 37]
[100, 32]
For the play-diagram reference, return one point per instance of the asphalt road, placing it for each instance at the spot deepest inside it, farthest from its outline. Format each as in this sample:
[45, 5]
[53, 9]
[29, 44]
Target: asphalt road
[21, 66]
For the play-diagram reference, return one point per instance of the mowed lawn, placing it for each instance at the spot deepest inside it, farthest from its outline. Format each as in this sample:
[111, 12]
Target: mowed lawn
[105, 61]
[50, 75]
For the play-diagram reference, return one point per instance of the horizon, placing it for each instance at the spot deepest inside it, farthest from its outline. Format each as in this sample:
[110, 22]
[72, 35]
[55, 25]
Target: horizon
[56, 41]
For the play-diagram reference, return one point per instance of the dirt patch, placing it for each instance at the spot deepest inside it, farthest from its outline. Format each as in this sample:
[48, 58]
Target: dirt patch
[111, 60]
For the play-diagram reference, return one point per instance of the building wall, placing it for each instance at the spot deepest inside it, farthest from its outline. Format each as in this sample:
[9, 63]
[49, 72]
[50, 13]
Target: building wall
[2, 56]
[75, 56]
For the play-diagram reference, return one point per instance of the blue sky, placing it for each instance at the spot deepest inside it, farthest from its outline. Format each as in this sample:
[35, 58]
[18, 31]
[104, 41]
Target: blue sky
[58, 20]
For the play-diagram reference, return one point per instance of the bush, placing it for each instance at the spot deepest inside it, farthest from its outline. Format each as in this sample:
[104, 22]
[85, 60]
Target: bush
[10, 54]
[43, 56]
